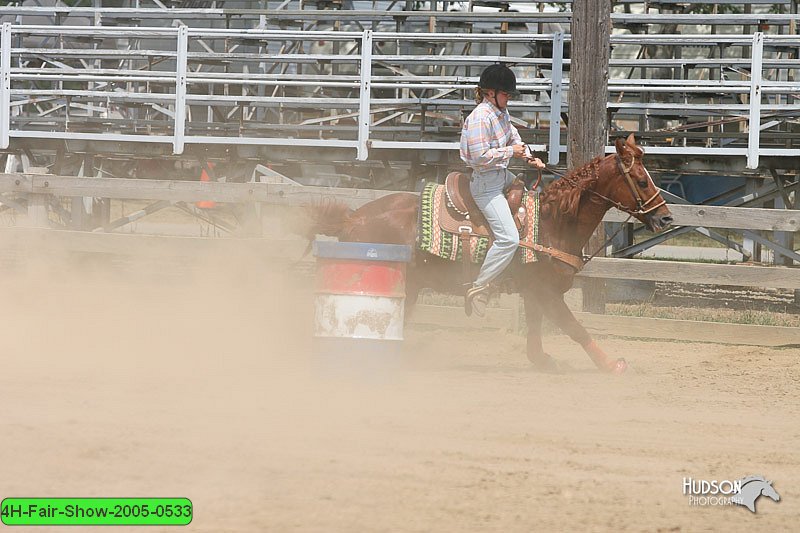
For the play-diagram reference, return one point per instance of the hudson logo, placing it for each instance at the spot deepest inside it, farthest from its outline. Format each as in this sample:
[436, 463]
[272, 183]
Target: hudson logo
[743, 491]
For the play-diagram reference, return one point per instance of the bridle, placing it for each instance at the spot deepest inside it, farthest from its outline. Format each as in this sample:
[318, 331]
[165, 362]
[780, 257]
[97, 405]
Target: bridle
[641, 204]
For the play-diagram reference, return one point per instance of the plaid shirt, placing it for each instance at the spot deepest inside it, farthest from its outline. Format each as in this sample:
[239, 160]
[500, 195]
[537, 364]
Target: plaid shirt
[488, 137]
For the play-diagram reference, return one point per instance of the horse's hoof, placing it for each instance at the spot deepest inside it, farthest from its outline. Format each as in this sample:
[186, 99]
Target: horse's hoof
[546, 365]
[619, 367]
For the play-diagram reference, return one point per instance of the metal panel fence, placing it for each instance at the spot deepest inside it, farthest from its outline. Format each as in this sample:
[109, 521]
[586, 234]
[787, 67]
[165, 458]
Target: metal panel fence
[362, 90]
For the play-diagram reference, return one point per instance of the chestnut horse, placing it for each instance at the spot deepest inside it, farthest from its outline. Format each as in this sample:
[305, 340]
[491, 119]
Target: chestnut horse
[571, 209]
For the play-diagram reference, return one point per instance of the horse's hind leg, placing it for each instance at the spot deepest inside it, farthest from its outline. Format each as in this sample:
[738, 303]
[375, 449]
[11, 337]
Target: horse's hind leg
[533, 318]
[555, 309]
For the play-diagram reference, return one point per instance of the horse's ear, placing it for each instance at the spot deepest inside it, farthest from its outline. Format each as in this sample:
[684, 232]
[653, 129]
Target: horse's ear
[631, 142]
[620, 146]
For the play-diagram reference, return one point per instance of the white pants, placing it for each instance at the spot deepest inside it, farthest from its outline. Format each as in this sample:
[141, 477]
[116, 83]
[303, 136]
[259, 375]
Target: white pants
[487, 190]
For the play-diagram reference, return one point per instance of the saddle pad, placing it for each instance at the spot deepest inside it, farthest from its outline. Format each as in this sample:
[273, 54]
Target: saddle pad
[433, 239]
[531, 230]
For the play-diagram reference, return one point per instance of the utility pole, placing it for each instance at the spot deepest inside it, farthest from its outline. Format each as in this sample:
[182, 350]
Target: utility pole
[588, 94]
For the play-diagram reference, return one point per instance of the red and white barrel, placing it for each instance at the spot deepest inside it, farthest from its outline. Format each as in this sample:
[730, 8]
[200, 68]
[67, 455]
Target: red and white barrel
[360, 290]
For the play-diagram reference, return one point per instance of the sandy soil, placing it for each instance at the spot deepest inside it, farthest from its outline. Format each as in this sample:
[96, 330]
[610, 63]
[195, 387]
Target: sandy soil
[152, 381]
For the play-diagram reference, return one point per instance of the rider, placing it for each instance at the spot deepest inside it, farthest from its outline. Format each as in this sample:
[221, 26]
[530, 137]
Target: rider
[488, 142]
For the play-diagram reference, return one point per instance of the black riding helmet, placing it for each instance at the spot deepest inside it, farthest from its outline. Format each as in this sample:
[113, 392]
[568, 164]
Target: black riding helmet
[500, 78]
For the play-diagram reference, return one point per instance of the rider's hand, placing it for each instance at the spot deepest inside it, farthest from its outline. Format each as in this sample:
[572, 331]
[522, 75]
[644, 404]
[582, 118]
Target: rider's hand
[535, 162]
[519, 151]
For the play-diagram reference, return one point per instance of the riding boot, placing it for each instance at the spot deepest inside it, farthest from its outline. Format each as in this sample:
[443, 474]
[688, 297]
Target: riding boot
[476, 300]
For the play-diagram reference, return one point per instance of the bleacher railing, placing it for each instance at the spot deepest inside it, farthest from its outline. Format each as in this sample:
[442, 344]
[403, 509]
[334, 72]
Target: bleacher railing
[363, 90]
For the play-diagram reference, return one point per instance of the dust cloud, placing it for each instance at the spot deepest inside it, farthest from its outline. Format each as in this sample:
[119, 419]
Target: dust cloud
[194, 377]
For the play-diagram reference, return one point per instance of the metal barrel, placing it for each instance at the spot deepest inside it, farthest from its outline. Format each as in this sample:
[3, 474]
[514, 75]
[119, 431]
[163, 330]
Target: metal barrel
[359, 303]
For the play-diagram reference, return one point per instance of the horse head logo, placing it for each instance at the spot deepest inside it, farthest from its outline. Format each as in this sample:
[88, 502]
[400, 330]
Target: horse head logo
[752, 488]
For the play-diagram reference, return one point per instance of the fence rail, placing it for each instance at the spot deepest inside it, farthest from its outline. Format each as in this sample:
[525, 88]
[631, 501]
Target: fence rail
[621, 326]
[295, 195]
[38, 186]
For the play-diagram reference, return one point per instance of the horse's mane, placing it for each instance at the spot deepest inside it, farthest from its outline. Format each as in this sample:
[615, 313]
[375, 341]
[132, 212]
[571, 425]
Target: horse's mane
[749, 479]
[563, 196]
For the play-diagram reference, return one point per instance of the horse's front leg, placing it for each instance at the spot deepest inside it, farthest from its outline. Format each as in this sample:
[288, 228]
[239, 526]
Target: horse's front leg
[556, 309]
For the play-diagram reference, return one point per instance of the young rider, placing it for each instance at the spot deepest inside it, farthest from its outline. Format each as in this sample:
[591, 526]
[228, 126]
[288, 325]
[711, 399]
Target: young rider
[488, 143]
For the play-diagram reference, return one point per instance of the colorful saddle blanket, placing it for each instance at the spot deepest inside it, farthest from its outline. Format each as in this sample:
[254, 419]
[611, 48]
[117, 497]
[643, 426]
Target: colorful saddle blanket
[438, 228]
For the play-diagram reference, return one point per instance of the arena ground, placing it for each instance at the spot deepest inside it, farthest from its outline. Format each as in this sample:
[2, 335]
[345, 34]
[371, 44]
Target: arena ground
[120, 381]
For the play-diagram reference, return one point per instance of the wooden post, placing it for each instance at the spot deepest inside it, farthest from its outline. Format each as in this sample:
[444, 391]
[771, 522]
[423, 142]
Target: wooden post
[588, 95]
[37, 203]
[751, 185]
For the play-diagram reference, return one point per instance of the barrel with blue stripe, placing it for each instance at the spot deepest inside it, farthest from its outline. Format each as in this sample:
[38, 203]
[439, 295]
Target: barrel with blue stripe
[359, 301]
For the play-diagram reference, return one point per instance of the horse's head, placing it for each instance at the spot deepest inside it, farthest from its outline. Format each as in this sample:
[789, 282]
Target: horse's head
[633, 189]
[768, 490]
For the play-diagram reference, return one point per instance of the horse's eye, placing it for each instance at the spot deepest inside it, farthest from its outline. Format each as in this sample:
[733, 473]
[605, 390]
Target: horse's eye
[643, 184]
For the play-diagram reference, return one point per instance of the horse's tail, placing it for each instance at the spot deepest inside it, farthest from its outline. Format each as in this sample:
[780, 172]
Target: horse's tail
[329, 217]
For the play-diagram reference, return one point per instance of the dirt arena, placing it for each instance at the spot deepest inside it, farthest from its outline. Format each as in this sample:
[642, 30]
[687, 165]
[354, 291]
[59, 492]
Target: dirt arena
[146, 380]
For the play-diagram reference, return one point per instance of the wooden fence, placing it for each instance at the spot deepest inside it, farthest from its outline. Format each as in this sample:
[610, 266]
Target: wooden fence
[40, 186]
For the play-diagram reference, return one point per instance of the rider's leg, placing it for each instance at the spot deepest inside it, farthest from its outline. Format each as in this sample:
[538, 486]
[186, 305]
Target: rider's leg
[506, 239]
[487, 190]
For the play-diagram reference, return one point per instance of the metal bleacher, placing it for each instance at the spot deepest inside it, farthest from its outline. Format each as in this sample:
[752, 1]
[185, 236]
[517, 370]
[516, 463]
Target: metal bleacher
[293, 80]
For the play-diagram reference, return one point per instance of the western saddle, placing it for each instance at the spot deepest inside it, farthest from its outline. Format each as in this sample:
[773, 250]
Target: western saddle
[462, 215]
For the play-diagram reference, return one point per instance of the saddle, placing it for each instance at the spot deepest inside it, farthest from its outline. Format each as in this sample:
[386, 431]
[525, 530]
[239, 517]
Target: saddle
[460, 214]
